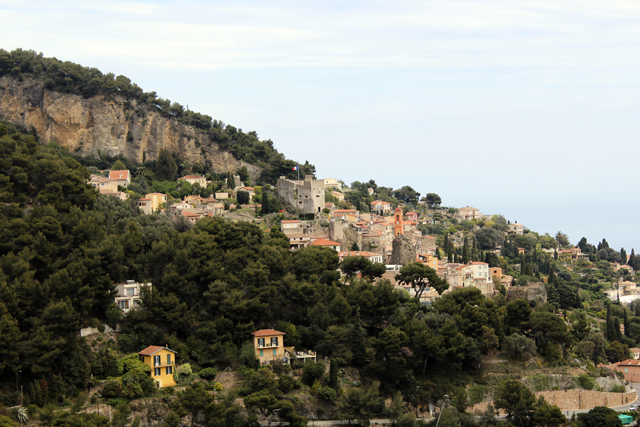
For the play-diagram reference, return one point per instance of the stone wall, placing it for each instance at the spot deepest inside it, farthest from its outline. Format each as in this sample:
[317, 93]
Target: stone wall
[533, 292]
[575, 399]
[586, 399]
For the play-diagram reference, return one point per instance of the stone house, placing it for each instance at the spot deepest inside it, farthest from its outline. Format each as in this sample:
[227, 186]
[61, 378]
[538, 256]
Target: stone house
[515, 228]
[468, 213]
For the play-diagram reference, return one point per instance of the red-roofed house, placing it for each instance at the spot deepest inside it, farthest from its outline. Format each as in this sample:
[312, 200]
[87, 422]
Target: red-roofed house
[630, 368]
[327, 244]
[162, 362]
[120, 177]
[269, 345]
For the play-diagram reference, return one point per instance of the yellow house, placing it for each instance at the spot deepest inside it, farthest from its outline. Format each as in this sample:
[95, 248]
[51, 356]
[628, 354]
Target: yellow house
[269, 345]
[156, 200]
[162, 362]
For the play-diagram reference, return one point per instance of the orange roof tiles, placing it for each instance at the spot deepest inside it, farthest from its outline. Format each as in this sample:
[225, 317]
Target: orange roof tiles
[153, 349]
[267, 332]
[119, 174]
[324, 242]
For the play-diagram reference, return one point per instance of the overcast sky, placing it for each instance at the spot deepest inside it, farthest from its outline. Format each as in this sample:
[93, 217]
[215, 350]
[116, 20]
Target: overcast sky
[530, 109]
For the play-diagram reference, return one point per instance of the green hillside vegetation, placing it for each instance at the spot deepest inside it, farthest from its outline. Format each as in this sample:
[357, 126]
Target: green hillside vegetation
[67, 77]
[63, 247]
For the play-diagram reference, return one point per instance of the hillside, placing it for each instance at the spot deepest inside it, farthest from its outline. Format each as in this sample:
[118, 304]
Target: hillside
[208, 289]
[92, 113]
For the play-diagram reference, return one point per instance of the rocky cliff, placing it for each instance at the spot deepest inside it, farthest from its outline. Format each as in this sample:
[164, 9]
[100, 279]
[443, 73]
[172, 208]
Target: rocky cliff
[107, 124]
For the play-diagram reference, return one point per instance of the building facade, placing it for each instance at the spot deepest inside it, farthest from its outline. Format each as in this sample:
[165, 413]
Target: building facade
[268, 345]
[162, 362]
[306, 196]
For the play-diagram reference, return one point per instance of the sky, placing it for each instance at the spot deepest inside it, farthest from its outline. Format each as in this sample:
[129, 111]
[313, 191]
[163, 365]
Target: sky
[529, 109]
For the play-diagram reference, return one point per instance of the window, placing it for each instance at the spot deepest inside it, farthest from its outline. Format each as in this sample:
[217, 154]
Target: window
[156, 372]
[131, 292]
[261, 353]
[168, 359]
[169, 370]
[626, 370]
[274, 351]
[124, 305]
[274, 341]
[260, 342]
[156, 360]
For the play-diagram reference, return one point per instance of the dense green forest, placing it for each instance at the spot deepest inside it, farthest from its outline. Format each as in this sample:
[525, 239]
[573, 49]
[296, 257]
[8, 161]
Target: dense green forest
[67, 77]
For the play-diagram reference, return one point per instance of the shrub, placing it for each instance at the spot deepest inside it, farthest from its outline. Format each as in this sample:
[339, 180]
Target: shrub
[312, 371]
[218, 387]
[208, 374]
[327, 393]
[617, 388]
[586, 382]
[112, 388]
[286, 383]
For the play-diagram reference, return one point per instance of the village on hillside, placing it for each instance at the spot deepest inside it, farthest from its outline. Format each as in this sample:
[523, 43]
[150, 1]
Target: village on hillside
[386, 234]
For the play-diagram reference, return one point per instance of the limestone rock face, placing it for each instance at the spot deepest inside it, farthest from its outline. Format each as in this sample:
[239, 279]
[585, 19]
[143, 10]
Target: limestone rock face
[404, 251]
[533, 292]
[109, 125]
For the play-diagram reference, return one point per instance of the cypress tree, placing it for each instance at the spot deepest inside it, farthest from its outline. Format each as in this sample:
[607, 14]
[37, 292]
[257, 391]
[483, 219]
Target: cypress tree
[626, 323]
[465, 251]
[623, 255]
[358, 342]
[552, 295]
[333, 374]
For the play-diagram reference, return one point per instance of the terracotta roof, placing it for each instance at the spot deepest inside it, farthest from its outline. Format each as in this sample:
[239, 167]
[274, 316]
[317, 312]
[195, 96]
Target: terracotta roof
[152, 349]
[189, 214]
[478, 263]
[119, 174]
[144, 198]
[634, 350]
[628, 362]
[290, 221]
[191, 177]
[325, 242]
[266, 332]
